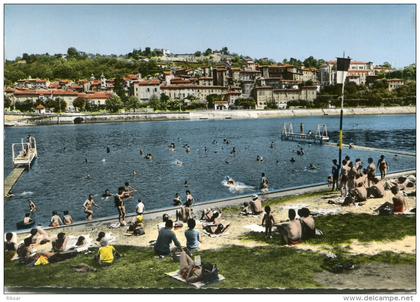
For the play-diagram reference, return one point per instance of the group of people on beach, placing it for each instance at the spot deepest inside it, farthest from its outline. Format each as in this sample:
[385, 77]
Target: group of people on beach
[357, 184]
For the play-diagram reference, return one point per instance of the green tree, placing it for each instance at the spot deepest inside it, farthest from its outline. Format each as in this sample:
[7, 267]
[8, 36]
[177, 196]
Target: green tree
[208, 52]
[79, 103]
[119, 88]
[72, 53]
[25, 106]
[271, 105]
[211, 98]
[225, 51]
[7, 102]
[197, 53]
[132, 103]
[245, 103]
[114, 104]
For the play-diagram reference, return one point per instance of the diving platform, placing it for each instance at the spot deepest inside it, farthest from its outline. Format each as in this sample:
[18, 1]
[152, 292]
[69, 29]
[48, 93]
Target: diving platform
[23, 155]
[12, 179]
[320, 135]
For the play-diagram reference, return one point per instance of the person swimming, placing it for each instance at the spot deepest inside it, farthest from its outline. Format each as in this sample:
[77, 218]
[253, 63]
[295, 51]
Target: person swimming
[230, 181]
[312, 166]
[149, 156]
[107, 193]
[186, 183]
[108, 150]
[292, 160]
[260, 158]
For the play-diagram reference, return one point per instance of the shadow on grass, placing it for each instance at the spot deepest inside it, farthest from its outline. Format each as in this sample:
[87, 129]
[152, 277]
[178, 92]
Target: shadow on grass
[138, 269]
[339, 229]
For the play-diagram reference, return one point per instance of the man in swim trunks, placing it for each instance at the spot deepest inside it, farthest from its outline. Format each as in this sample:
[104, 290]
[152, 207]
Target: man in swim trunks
[88, 206]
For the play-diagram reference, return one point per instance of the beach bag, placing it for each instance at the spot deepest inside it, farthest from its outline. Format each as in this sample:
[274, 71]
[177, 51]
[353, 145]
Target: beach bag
[210, 272]
[138, 231]
[386, 210]
[42, 260]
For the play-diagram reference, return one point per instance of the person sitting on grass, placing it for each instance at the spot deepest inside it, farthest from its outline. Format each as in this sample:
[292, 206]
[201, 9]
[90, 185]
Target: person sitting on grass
[165, 238]
[183, 213]
[59, 245]
[10, 244]
[268, 221]
[189, 270]
[307, 222]
[193, 236]
[39, 236]
[255, 205]
[210, 215]
[107, 254]
[25, 253]
[398, 200]
[292, 231]
[137, 227]
[377, 190]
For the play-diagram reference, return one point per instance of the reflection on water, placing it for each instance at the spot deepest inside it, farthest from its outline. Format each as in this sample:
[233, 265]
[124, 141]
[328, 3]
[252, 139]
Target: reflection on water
[73, 159]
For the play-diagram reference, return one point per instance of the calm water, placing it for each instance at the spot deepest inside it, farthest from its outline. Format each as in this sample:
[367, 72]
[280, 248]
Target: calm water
[58, 179]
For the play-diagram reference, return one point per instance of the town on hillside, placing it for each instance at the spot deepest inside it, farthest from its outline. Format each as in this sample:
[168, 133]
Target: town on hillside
[210, 80]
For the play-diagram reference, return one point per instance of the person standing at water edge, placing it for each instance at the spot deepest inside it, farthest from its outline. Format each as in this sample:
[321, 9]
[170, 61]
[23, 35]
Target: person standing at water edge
[335, 171]
[190, 199]
[55, 220]
[344, 178]
[264, 182]
[140, 207]
[371, 171]
[88, 206]
[383, 166]
[120, 205]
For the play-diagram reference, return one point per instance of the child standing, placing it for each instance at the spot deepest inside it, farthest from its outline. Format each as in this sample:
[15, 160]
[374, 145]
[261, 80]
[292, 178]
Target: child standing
[268, 221]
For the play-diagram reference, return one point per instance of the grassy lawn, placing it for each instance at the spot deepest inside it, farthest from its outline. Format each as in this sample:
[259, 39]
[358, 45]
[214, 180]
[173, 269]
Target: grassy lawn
[263, 267]
[339, 229]
[272, 266]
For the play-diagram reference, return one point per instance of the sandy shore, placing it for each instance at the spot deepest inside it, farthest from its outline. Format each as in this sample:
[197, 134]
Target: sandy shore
[239, 225]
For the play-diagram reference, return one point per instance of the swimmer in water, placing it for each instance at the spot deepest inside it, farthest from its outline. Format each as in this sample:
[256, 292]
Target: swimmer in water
[178, 163]
[312, 166]
[233, 150]
[85, 160]
[205, 149]
[32, 206]
[141, 152]
[292, 160]
[230, 181]
[186, 183]
[108, 150]
[107, 194]
[134, 173]
[272, 145]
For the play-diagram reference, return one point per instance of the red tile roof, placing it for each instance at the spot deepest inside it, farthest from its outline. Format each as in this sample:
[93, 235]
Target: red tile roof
[148, 83]
[96, 95]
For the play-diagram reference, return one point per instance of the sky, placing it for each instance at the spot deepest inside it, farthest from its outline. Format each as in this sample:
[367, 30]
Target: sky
[376, 33]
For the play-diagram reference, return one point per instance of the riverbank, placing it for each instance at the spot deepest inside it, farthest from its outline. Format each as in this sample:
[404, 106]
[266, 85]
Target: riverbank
[382, 249]
[12, 119]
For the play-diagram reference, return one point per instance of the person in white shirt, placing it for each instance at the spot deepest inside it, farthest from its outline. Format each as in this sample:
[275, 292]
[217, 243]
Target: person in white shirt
[140, 207]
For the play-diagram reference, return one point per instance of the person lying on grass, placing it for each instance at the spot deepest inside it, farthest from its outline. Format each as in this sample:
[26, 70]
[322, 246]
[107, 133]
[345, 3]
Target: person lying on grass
[107, 254]
[189, 270]
[210, 215]
[215, 227]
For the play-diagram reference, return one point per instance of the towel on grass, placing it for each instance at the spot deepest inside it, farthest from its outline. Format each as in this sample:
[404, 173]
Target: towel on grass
[255, 228]
[197, 284]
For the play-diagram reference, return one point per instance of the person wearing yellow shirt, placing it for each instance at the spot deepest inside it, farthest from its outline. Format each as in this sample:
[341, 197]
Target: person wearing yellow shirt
[107, 253]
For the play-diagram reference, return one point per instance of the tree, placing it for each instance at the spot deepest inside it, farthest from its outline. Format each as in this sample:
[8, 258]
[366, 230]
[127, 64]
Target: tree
[271, 105]
[114, 104]
[245, 103]
[197, 53]
[132, 103]
[208, 52]
[72, 53]
[211, 98]
[119, 88]
[7, 102]
[56, 105]
[225, 51]
[26, 106]
[147, 52]
[79, 103]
